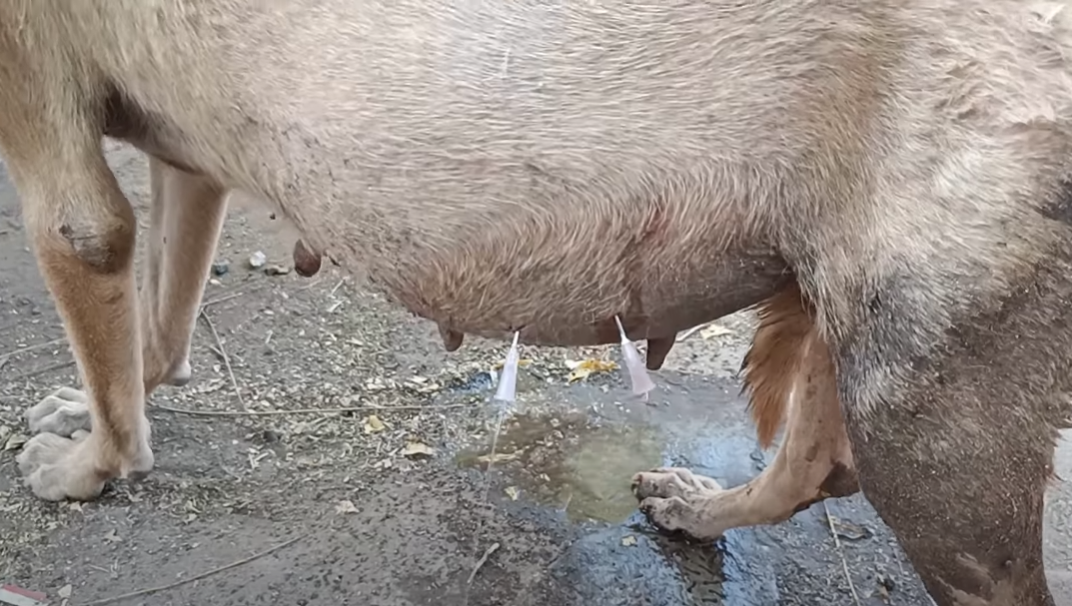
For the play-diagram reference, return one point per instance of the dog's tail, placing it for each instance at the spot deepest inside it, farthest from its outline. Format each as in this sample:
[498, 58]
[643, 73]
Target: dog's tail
[771, 364]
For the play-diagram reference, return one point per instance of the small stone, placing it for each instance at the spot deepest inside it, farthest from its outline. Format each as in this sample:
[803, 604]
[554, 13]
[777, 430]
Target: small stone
[220, 268]
[257, 260]
[277, 270]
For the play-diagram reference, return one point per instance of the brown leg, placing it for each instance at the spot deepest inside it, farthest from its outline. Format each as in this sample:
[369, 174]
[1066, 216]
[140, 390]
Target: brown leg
[82, 229]
[788, 362]
[186, 216]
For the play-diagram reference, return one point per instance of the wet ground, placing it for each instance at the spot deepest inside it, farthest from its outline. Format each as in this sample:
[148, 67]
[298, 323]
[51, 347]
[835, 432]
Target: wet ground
[348, 461]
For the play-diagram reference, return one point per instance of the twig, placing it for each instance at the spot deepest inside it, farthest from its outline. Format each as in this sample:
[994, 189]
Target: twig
[41, 371]
[295, 411]
[844, 562]
[233, 295]
[28, 348]
[203, 575]
[483, 560]
[688, 333]
[223, 354]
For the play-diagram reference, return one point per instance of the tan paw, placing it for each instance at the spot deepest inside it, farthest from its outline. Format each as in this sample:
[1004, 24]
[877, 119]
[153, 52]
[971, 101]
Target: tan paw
[63, 412]
[58, 468]
[668, 482]
[63, 460]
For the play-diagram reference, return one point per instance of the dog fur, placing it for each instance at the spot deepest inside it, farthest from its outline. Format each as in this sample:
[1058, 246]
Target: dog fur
[546, 165]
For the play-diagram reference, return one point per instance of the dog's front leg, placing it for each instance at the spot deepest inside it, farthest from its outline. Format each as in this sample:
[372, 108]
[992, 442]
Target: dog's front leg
[791, 363]
[82, 229]
[185, 221]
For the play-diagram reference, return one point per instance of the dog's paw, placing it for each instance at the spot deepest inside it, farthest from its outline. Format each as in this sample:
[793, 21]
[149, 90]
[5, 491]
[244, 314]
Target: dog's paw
[63, 412]
[58, 468]
[181, 374]
[677, 500]
[666, 482]
[63, 461]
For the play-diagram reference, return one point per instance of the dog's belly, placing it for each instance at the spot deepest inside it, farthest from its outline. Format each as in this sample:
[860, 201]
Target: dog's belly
[543, 179]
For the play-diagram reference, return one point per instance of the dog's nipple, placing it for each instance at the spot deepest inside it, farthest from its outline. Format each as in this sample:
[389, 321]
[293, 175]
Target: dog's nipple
[306, 262]
[657, 351]
[452, 339]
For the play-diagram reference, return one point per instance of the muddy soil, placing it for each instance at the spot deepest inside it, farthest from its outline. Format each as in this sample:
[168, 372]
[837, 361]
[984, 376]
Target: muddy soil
[329, 452]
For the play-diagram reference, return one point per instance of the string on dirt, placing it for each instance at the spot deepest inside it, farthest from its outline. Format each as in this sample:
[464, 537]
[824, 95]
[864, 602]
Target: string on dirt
[204, 575]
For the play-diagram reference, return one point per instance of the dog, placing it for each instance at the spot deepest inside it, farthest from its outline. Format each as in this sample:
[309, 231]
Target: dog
[889, 181]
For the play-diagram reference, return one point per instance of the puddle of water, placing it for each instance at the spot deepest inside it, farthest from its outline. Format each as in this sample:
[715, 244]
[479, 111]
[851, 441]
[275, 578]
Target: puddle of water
[569, 461]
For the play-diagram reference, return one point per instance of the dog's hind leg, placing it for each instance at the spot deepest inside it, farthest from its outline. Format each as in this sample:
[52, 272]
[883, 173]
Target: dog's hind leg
[952, 407]
[186, 218]
[788, 364]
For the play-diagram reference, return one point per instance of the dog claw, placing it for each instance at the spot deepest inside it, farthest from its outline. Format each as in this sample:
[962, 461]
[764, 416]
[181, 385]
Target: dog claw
[452, 339]
[657, 350]
[306, 262]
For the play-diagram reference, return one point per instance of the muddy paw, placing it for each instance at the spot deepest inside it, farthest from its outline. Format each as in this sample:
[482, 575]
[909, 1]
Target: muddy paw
[687, 517]
[63, 412]
[58, 468]
[666, 482]
[677, 500]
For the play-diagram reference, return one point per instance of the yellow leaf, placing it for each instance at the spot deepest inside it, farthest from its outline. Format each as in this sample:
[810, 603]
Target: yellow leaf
[417, 449]
[512, 492]
[585, 368]
[522, 362]
[373, 424]
[629, 541]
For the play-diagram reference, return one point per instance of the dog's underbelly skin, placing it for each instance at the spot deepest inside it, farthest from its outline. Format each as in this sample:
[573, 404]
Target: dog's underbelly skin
[494, 205]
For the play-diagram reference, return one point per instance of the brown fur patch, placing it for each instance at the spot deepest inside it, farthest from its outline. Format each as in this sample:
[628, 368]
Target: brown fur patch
[772, 362]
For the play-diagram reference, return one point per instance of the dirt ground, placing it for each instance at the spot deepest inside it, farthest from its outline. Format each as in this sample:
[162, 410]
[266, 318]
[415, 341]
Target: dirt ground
[330, 452]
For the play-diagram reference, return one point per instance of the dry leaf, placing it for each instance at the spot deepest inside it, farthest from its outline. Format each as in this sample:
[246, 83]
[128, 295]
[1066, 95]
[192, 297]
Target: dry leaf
[585, 368]
[522, 362]
[417, 449]
[848, 530]
[513, 492]
[714, 330]
[65, 591]
[15, 442]
[373, 424]
[345, 506]
[423, 385]
[629, 540]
